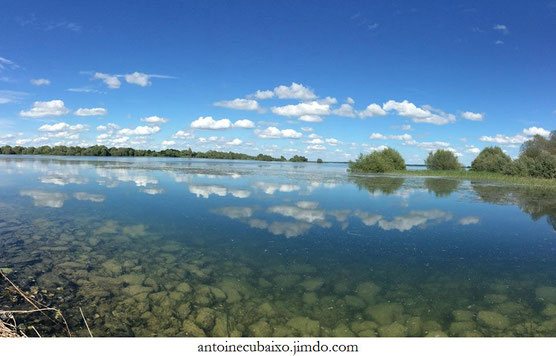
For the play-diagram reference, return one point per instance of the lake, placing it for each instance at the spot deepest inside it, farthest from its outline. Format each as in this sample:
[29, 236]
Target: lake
[178, 247]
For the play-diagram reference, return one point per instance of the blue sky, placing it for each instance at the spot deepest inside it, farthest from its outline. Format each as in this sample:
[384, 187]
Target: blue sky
[290, 77]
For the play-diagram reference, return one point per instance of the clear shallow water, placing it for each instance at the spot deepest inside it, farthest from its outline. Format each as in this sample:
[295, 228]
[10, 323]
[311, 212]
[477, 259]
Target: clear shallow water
[190, 247]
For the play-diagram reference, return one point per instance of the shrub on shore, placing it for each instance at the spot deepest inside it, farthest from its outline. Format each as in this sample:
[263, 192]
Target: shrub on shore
[442, 160]
[387, 160]
[492, 159]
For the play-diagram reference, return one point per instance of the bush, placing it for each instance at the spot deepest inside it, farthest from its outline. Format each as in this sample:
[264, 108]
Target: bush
[492, 159]
[319, 160]
[387, 160]
[542, 166]
[442, 160]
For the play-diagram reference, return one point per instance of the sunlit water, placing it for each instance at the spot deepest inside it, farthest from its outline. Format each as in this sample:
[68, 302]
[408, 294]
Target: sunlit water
[177, 247]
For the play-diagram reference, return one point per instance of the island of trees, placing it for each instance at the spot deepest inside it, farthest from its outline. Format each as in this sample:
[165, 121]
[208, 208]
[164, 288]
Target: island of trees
[100, 150]
[537, 159]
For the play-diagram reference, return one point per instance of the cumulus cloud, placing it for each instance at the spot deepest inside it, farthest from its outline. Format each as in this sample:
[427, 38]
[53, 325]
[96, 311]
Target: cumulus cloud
[429, 146]
[62, 126]
[42, 198]
[379, 136]
[137, 78]
[416, 218]
[294, 91]
[46, 108]
[305, 108]
[208, 123]
[90, 112]
[168, 143]
[316, 148]
[40, 81]
[111, 81]
[372, 110]
[234, 142]
[344, 110]
[154, 120]
[332, 141]
[423, 114]
[310, 118]
[263, 94]
[274, 132]
[140, 131]
[96, 198]
[532, 131]
[239, 104]
[244, 124]
[181, 134]
[474, 150]
[468, 115]
[307, 129]
[502, 28]
[469, 220]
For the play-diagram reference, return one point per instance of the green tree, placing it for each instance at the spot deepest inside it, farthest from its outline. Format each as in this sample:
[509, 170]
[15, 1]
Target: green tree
[387, 160]
[442, 160]
[492, 159]
[297, 158]
[319, 160]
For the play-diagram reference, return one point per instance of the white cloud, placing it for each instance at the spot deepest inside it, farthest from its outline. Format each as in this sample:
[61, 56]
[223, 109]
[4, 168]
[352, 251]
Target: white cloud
[424, 114]
[468, 115]
[372, 110]
[305, 108]
[263, 94]
[350, 100]
[469, 220]
[345, 110]
[416, 218]
[379, 136]
[40, 81]
[294, 91]
[140, 130]
[316, 141]
[137, 78]
[46, 108]
[90, 112]
[474, 150]
[62, 126]
[504, 140]
[111, 80]
[316, 147]
[168, 143]
[48, 199]
[244, 124]
[9, 96]
[310, 118]
[332, 141]
[183, 135]
[430, 146]
[502, 28]
[154, 120]
[238, 104]
[307, 129]
[234, 142]
[208, 123]
[96, 198]
[274, 132]
[533, 130]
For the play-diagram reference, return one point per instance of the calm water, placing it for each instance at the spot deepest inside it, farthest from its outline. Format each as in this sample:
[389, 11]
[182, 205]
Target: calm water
[190, 247]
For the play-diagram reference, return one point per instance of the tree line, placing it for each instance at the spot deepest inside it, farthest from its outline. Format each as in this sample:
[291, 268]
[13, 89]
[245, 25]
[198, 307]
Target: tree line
[537, 158]
[103, 151]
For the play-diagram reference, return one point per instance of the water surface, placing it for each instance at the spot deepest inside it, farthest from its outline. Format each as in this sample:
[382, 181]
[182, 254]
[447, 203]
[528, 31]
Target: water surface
[177, 247]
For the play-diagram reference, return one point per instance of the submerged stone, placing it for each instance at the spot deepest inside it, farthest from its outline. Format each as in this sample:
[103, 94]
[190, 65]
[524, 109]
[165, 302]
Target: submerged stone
[342, 330]
[395, 329]
[260, 329]
[493, 320]
[305, 326]
[462, 315]
[358, 326]
[459, 328]
[368, 291]
[205, 318]
[190, 329]
[310, 298]
[495, 298]
[312, 284]
[414, 326]
[546, 293]
[550, 310]
[354, 302]
[266, 310]
[385, 313]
